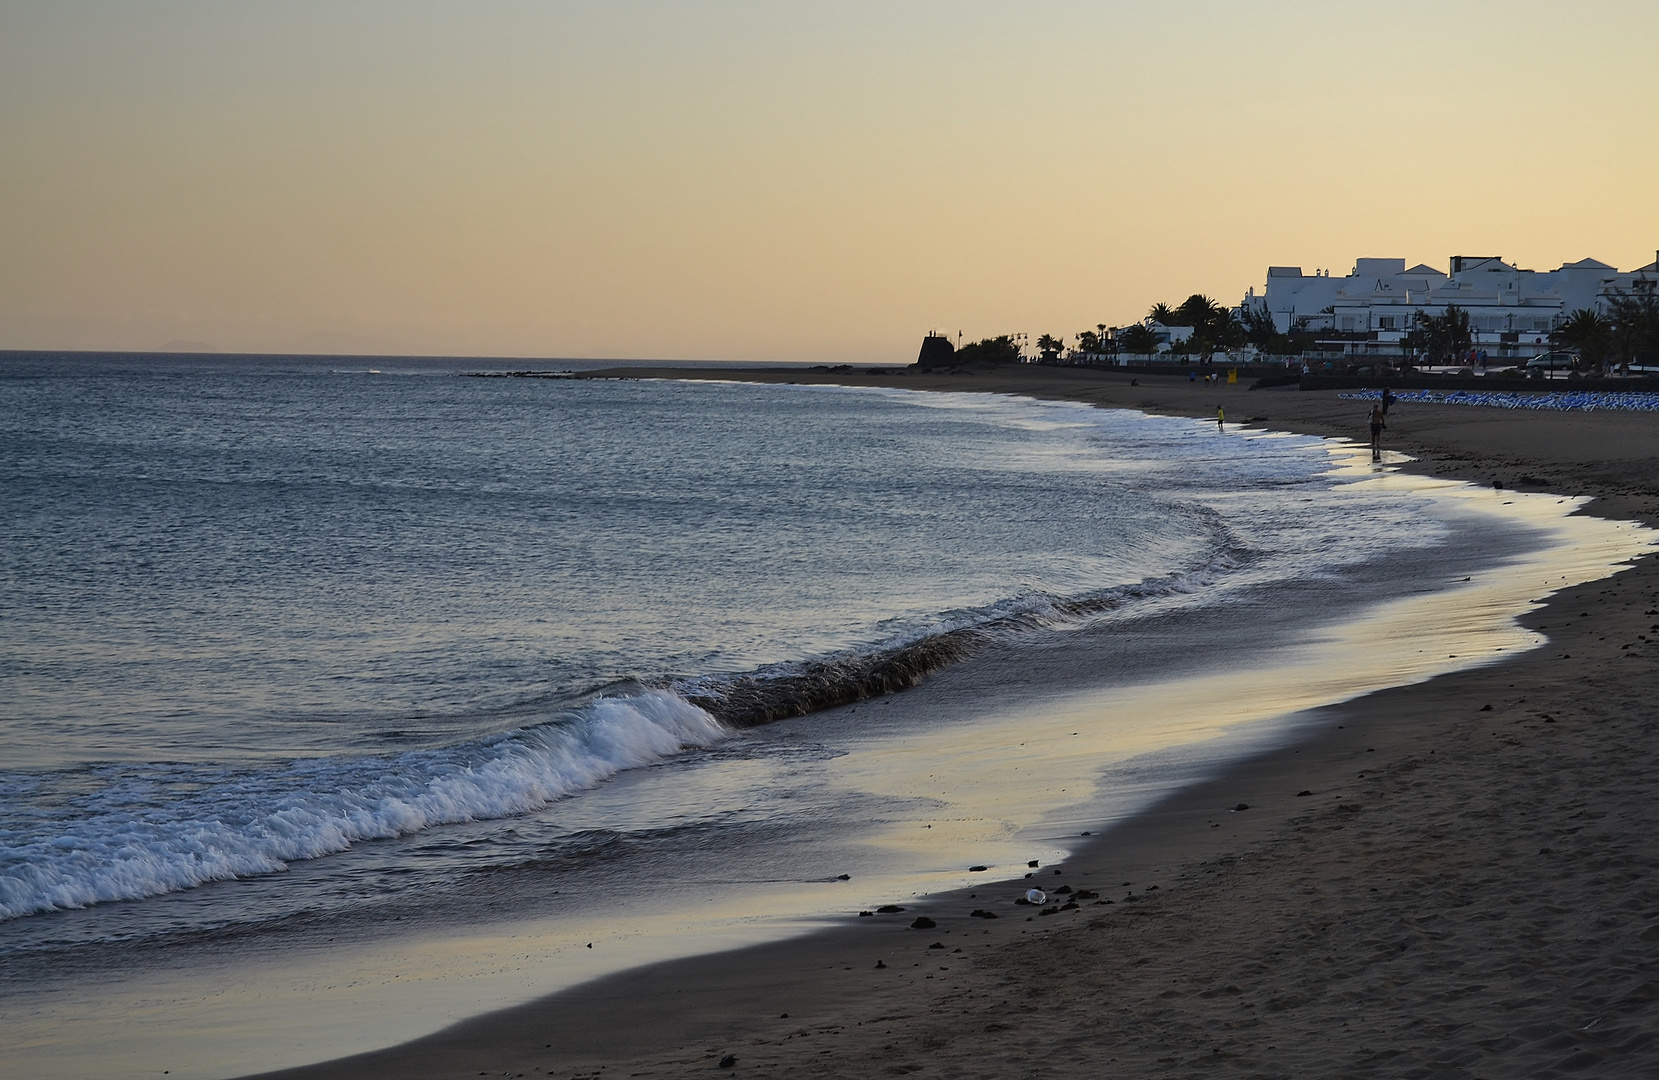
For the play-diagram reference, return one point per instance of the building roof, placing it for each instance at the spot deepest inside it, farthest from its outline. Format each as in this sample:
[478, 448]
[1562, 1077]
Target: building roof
[1466, 263]
[1586, 264]
[1425, 268]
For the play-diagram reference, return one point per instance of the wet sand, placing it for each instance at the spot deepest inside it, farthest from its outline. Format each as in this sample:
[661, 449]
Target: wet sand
[1467, 889]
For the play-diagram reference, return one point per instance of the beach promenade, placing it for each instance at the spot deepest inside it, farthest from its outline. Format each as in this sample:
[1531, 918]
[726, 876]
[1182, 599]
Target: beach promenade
[1450, 879]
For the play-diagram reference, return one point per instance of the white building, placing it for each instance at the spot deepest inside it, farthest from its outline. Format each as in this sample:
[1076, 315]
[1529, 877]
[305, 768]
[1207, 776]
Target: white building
[1511, 311]
[1167, 336]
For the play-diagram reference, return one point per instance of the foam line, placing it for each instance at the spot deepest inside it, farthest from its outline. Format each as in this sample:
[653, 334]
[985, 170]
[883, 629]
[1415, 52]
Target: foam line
[258, 822]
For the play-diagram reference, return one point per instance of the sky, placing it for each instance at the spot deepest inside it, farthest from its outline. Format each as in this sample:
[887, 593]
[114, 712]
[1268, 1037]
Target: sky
[640, 179]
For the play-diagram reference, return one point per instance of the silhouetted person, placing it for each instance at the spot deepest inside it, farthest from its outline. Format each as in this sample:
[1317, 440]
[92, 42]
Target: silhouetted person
[1379, 420]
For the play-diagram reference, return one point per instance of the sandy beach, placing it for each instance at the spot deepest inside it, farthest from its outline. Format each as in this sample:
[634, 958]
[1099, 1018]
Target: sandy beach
[1450, 879]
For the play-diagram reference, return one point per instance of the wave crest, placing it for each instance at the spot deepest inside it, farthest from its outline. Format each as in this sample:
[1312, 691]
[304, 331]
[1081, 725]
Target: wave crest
[257, 823]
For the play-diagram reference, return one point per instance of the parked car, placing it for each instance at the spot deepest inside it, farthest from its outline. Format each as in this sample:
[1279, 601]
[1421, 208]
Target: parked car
[1545, 366]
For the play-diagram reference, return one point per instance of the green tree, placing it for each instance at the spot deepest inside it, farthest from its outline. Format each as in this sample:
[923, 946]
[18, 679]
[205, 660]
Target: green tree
[1138, 338]
[993, 351]
[1199, 312]
[1443, 337]
[1633, 327]
[1050, 347]
[1088, 341]
[1213, 326]
[1587, 334]
[1259, 330]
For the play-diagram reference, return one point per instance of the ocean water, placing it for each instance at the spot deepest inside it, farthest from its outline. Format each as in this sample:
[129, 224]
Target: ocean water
[288, 644]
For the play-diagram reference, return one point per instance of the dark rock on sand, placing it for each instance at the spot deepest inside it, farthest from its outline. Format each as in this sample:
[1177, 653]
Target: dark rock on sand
[888, 909]
[923, 923]
[728, 1061]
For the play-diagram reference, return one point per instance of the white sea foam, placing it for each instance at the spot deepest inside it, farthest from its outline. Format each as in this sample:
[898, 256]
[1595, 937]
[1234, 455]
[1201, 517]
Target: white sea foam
[258, 822]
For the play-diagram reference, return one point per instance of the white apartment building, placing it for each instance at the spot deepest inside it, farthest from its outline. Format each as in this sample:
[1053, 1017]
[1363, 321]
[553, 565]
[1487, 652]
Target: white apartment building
[1511, 311]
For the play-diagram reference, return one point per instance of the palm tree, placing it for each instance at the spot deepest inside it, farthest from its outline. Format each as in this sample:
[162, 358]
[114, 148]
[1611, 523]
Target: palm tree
[1444, 336]
[1138, 338]
[1199, 312]
[1163, 314]
[1587, 334]
[1050, 347]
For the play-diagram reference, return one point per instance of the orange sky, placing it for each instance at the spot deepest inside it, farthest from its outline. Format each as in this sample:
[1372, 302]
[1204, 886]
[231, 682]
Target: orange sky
[767, 180]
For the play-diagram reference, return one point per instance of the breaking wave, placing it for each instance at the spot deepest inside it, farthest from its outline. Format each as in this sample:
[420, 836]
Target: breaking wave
[138, 838]
[797, 688]
[161, 828]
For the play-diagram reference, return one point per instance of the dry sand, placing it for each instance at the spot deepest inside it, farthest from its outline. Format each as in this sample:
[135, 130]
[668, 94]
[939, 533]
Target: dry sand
[1468, 891]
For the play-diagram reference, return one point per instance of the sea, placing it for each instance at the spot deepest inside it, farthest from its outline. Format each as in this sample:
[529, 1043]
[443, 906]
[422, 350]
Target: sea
[372, 651]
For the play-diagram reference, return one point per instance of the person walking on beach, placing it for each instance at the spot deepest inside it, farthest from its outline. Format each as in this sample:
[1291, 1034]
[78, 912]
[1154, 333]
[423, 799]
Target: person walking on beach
[1378, 422]
[1220, 420]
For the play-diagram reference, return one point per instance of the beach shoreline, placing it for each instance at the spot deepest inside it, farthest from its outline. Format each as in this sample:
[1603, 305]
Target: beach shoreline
[1231, 888]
